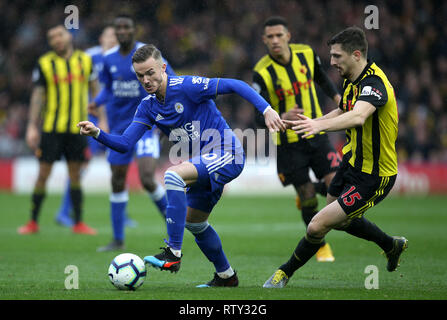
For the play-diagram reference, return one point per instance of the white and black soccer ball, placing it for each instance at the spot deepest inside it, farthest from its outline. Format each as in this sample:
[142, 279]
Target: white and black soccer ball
[127, 271]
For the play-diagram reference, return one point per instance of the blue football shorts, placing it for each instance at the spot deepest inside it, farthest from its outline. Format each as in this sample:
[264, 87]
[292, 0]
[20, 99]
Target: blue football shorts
[215, 170]
[147, 146]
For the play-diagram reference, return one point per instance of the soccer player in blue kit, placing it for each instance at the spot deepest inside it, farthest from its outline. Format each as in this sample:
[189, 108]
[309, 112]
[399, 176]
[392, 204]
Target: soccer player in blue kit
[121, 93]
[183, 109]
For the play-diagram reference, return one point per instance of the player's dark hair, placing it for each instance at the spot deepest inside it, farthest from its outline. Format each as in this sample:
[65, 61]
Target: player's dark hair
[124, 16]
[276, 20]
[351, 39]
[145, 52]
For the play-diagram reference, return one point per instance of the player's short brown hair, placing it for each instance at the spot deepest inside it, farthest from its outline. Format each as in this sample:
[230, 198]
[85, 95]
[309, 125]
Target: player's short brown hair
[351, 39]
[145, 52]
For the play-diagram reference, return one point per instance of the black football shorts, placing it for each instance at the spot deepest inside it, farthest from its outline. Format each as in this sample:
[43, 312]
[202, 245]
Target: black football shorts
[358, 191]
[55, 145]
[295, 159]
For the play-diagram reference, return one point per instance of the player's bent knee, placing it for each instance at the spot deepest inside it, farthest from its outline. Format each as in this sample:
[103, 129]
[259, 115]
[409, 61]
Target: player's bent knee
[173, 181]
[197, 228]
[316, 229]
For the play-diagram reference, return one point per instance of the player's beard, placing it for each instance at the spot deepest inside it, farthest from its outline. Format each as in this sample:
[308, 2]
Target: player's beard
[155, 85]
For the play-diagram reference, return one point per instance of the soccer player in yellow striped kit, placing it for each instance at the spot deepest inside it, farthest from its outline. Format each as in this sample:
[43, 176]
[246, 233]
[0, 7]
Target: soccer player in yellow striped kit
[368, 113]
[286, 77]
[62, 81]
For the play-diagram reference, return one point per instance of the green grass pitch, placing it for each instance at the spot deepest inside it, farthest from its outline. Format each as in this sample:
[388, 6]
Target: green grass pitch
[258, 234]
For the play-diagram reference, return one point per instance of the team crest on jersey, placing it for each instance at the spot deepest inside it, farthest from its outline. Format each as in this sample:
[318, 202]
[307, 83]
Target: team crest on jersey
[179, 107]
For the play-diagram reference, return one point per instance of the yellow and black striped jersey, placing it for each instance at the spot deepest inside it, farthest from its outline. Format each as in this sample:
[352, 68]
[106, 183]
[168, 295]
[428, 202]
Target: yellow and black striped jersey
[371, 148]
[66, 83]
[286, 86]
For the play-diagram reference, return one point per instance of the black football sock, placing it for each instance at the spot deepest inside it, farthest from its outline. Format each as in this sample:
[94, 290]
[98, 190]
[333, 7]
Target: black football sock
[321, 188]
[306, 248]
[76, 200]
[36, 202]
[365, 229]
[309, 208]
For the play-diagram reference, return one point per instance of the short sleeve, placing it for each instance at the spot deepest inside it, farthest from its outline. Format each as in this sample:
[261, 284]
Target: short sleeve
[259, 85]
[38, 77]
[94, 72]
[372, 90]
[200, 89]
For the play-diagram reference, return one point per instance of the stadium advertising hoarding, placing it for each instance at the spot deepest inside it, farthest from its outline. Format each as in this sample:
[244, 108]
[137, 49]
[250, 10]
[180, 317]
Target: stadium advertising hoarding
[18, 175]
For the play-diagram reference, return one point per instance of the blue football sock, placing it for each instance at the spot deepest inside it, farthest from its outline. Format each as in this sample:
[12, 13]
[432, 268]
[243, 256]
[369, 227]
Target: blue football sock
[118, 203]
[160, 199]
[209, 242]
[65, 207]
[176, 209]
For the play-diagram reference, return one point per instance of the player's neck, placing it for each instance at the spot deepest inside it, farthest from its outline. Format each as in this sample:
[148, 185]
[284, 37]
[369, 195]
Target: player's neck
[126, 48]
[66, 54]
[161, 93]
[358, 70]
[284, 57]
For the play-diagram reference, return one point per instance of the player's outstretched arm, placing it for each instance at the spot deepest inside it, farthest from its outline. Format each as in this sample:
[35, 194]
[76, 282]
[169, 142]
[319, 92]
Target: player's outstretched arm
[356, 117]
[122, 143]
[272, 119]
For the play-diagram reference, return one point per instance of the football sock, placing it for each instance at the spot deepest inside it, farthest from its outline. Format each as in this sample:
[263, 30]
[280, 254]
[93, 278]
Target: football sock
[226, 274]
[365, 229]
[160, 199]
[209, 242]
[118, 203]
[76, 199]
[309, 208]
[306, 248]
[176, 209]
[36, 202]
[321, 188]
[65, 207]
[177, 253]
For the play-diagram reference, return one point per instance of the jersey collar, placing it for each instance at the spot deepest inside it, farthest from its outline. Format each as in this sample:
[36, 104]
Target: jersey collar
[368, 65]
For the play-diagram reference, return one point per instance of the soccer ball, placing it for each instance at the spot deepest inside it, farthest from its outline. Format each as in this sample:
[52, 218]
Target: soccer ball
[127, 271]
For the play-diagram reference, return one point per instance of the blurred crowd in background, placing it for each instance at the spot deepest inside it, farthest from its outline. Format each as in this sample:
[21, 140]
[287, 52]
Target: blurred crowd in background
[222, 38]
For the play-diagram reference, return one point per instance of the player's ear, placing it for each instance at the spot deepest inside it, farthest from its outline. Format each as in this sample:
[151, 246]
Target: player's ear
[163, 67]
[264, 39]
[357, 54]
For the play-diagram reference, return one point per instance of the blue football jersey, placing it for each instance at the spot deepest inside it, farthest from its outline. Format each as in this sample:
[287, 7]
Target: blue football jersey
[118, 76]
[189, 115]
[97, 57]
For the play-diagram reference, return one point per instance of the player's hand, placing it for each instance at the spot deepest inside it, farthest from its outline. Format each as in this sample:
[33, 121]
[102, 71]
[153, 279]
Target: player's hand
[273, 121]
[292, 114]
[92, 109]
[305, 125]
[88, 128]
[32, 136]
